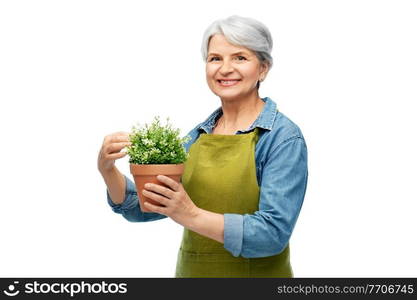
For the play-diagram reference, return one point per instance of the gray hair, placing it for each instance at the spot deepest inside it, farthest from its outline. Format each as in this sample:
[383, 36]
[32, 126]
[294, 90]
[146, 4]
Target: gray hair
[241, 31]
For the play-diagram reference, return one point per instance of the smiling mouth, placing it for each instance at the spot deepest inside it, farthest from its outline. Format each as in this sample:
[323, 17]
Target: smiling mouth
[231, 82]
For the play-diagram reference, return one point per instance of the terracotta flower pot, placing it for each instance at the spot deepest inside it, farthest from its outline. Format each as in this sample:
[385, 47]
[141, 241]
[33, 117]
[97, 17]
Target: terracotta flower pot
[143, 174]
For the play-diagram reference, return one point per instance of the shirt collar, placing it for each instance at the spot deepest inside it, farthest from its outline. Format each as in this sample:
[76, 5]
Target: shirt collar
[265, 119]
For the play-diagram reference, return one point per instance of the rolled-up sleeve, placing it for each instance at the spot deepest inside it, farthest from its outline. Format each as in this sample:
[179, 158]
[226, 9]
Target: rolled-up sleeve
[267, 231]
[130, 208]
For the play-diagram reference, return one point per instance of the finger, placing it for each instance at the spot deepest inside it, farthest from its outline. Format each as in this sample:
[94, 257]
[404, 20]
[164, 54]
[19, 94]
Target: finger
[110, 137]
[155, 208]
[167, 192]
[169, 182]
[116, 155]
[158, 198]
[116, 147]
[120, 137]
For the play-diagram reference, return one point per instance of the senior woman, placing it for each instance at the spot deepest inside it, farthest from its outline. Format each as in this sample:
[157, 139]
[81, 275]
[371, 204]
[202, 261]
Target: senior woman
[246, 175]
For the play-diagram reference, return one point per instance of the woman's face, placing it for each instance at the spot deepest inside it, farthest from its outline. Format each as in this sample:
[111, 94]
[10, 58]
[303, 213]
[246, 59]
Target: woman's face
[232, 71]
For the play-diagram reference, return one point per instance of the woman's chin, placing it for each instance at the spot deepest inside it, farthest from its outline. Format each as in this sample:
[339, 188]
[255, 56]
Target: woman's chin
[228, 94]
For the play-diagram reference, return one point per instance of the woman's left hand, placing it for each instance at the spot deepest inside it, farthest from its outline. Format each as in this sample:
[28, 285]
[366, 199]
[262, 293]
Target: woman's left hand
[178, 205]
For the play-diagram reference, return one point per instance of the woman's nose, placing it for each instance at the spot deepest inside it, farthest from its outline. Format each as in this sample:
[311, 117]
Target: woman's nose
[226, 67]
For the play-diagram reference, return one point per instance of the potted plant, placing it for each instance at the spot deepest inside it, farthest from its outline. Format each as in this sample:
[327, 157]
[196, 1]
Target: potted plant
[155, 150]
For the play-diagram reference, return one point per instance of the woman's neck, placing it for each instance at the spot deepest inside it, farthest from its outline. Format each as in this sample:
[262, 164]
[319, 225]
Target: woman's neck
[239, 114]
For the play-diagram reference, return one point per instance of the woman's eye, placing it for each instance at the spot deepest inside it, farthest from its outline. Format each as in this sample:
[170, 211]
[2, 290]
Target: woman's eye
[217, 58]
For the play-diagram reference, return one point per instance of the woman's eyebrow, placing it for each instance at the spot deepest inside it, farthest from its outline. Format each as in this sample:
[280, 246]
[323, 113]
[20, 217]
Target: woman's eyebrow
[240, 52]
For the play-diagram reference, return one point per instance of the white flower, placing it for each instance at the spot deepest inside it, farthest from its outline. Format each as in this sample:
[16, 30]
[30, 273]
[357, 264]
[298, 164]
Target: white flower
[148, 142]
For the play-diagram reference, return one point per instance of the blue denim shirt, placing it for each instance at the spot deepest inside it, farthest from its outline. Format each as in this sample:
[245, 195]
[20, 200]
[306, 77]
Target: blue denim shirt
[281, 170]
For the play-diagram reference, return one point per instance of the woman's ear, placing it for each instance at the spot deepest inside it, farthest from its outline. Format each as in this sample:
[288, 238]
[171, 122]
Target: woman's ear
[264, 71]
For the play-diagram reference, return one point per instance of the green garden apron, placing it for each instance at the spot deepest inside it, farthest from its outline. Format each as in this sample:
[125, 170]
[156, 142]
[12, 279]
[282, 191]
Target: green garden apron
[220, 176]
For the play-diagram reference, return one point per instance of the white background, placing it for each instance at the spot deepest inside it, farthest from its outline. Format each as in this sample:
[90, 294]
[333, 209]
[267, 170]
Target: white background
[72, 72]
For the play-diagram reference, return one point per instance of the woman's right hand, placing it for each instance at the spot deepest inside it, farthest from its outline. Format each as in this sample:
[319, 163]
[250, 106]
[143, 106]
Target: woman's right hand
[111, 150]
